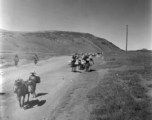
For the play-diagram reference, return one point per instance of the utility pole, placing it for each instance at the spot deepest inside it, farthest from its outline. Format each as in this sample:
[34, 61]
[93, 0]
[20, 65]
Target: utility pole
[126, 38]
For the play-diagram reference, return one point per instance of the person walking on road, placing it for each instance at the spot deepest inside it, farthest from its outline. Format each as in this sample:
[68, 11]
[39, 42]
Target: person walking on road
[32, 82]
[36, 58]
[16, 60]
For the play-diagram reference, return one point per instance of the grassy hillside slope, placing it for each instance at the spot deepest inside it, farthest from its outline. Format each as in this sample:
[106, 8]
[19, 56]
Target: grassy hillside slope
[59, 42]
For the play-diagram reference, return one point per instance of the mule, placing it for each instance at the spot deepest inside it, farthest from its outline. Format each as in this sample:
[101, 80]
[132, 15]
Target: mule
[81, 64]
[21, 89]
[87, 65]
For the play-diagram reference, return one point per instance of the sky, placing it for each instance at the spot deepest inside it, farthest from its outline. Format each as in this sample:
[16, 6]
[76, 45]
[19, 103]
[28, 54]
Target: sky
[103, 18]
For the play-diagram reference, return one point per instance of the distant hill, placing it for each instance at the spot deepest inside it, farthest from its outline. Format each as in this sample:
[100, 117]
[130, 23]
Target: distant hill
[144, 50]
[58, 42]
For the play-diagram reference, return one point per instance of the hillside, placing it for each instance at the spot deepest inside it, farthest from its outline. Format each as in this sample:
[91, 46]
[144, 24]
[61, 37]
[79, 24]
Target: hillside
[144, 50]
[58, 42]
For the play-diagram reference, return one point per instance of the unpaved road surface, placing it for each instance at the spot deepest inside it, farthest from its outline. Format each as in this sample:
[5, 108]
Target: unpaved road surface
[61, 95]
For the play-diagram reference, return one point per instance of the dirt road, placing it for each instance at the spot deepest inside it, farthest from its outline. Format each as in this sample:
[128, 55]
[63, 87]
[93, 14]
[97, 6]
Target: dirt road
[60, 95]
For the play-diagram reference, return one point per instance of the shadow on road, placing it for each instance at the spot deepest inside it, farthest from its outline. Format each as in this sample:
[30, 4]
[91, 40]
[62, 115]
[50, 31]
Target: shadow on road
[32, 103]
[77, 71]
[41, 94]
[91, 70]
[2, 93]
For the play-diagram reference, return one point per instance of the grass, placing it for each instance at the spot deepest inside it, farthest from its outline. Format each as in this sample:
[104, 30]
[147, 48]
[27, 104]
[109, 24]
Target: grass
[120, 96]
[115, 60]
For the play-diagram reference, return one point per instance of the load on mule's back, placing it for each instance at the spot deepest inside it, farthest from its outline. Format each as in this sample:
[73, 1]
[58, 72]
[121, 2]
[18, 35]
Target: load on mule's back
[83, 62]
[21, 89]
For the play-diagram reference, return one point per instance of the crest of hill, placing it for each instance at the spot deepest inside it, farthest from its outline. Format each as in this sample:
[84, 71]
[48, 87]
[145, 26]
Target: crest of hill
[144, 50]
[58, 42]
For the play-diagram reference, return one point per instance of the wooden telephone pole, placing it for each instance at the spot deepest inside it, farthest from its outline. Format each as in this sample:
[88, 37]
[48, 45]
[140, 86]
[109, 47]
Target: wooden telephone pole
[126, 38]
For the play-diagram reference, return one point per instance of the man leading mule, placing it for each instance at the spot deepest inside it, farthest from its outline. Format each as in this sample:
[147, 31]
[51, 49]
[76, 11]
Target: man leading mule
[33, 79]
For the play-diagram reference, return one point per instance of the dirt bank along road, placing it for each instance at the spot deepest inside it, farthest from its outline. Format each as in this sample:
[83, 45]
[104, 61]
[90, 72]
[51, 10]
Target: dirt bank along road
[57, 82]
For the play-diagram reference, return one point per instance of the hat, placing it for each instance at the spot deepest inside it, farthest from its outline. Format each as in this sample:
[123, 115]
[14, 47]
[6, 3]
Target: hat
[33, 72]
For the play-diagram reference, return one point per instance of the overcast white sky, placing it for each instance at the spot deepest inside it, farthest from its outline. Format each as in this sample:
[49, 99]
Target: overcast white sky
[103, 18]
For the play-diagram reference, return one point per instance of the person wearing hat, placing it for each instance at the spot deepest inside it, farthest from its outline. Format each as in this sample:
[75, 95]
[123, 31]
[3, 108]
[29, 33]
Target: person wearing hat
[33, 79]
[74, 57]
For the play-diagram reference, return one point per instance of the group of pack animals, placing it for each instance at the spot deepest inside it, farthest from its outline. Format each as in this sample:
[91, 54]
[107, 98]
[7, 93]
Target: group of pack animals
[82, 61]
[23, 88]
